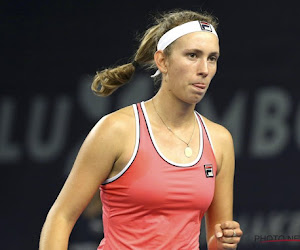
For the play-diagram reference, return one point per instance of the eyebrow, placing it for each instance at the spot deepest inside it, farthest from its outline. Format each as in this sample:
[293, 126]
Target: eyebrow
[214, 53]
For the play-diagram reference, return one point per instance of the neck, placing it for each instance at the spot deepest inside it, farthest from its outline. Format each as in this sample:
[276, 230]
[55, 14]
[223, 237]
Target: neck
[173, 110]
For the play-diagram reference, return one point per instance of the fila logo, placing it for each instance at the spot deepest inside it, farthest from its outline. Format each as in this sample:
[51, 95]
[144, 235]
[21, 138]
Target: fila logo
[208, 168]
[205, 26]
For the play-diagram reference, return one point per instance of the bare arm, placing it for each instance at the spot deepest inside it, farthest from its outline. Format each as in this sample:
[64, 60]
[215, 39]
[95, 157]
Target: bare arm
[93, 164]
[219, 221]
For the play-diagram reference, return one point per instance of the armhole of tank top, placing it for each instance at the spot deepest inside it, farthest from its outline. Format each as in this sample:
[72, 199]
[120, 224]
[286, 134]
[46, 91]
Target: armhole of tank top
[207, 132]
[136, 146]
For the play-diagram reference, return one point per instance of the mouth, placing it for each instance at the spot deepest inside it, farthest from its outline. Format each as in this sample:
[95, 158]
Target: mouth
[201, 86]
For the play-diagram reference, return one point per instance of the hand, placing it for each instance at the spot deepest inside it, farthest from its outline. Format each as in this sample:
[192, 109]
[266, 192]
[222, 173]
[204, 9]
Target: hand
[228, 234]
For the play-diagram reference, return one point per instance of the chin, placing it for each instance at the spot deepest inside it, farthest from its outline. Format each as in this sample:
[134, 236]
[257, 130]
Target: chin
[195, 99]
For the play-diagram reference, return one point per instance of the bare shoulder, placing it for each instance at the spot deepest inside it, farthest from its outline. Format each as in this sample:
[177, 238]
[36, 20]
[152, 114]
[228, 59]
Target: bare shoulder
[219, 134]
[109, 134]
[116, 123]
[106, 141]
[222, 142]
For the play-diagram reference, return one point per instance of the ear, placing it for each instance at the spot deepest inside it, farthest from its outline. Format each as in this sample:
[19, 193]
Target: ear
[161, 61]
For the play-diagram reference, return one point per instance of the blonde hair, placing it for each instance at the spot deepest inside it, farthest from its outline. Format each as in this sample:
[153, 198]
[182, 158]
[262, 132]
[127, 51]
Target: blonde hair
[110, 79]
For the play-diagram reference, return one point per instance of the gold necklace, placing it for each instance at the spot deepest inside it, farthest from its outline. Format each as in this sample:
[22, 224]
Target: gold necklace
[188, 150]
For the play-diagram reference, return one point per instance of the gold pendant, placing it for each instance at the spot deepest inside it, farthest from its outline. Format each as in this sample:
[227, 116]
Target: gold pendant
[188, 152]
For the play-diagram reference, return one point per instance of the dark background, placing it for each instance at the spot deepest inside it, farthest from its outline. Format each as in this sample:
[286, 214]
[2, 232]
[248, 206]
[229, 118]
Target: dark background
[50, 51]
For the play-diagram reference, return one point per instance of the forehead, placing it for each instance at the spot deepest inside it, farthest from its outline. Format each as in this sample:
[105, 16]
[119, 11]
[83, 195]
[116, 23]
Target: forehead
[198, 40]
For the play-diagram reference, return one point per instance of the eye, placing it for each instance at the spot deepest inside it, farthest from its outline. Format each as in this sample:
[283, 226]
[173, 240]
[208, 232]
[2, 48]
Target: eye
[213, 58]
[192, 55]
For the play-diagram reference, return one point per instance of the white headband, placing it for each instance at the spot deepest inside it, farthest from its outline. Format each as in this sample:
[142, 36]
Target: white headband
[181, 30]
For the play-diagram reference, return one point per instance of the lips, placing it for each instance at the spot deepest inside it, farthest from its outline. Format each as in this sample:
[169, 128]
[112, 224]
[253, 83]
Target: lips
[199, 85]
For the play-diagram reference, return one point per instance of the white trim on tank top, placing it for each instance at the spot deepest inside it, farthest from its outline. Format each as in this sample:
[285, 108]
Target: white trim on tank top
[136, 146]
[161, 154]
[208, 135]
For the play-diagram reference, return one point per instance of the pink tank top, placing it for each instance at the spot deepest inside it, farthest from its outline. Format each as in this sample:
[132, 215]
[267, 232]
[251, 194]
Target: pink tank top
[154, 203]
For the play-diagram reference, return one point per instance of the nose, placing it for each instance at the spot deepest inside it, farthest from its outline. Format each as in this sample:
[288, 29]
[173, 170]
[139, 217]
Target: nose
[202, 68]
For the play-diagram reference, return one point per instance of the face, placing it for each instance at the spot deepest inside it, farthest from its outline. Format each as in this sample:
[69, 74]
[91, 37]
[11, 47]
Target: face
[191, 66]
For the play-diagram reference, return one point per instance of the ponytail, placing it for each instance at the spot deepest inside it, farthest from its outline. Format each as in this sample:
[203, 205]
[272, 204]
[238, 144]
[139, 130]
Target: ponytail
[108, 80]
